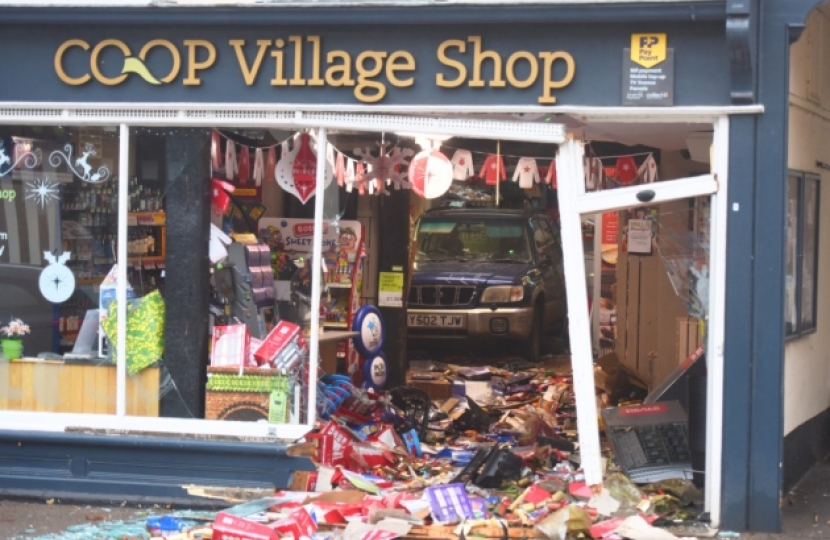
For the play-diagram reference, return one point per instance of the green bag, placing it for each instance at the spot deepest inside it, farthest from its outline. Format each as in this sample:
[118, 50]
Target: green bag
[145, 331]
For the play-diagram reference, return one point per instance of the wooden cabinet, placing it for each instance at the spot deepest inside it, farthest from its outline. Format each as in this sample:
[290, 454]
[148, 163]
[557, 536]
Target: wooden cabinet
[37, 385]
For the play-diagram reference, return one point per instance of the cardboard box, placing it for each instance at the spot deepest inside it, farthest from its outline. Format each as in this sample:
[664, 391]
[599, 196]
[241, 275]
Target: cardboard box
[281, 335]
[436, 389]
[229, 527]
[230, 345]
[303, 481]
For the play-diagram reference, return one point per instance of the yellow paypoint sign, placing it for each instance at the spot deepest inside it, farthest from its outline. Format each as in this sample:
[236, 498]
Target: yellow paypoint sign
[648, 50]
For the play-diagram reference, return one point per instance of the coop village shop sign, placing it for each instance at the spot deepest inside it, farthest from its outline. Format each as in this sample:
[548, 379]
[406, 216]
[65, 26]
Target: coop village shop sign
[367, 73]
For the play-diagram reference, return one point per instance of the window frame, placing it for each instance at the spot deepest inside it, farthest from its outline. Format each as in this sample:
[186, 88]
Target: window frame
[799, 330]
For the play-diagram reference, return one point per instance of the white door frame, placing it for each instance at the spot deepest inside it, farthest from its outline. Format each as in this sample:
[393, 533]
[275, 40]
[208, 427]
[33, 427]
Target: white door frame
[574, 203]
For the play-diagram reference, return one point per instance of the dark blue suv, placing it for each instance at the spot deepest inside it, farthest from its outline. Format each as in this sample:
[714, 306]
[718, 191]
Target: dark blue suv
[485, 274]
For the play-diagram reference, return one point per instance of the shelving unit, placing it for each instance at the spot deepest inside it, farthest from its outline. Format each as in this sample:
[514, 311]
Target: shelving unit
[89, 225]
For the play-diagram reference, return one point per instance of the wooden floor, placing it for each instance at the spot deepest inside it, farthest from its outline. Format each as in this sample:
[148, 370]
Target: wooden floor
[32, 385]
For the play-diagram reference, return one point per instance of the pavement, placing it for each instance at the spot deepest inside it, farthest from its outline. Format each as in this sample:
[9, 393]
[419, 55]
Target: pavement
[806, 513]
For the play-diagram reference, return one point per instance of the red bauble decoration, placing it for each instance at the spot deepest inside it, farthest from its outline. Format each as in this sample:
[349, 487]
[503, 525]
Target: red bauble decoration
[430, 173]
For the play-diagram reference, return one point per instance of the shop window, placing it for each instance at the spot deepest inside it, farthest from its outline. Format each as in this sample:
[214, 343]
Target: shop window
[58, 226]
[801, 272]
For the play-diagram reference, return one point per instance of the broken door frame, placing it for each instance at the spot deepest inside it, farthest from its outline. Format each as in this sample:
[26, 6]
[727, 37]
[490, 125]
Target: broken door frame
[574, 204]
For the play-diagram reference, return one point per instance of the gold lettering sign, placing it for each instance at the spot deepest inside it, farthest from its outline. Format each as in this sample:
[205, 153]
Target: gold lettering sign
[304, 61]
[648, 50]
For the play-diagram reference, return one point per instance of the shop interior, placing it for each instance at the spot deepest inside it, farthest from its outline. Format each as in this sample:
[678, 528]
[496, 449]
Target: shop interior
[646, 267]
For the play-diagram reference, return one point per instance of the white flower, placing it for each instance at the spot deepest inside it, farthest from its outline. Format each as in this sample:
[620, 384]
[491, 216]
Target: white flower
[15, 328]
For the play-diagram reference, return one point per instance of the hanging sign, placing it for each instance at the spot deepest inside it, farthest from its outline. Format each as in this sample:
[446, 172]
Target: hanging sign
[648, 72]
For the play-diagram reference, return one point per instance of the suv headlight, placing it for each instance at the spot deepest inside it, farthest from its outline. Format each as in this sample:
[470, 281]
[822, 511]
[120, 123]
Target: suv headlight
[503, 294]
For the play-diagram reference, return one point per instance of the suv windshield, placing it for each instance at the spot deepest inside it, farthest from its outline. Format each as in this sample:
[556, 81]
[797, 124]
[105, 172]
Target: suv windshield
[472, 239]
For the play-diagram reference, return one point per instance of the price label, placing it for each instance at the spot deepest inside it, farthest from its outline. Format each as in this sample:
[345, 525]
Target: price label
[390, 289]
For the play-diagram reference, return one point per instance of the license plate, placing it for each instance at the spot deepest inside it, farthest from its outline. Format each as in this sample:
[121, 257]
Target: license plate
[438, 321]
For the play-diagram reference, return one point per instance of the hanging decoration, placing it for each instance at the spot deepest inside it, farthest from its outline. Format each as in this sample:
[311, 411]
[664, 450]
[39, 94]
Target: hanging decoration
[259, 167]
[244, 165]
[526, 173]
[593, 173]
[430, 174]
[85, 173]
[29, 159]
[492, 170]
[271, 165]
[425, 173]
[344, 170]
[462, 165]
[648, 170]
[297, 172]
[230, 160]
[385, 168]
[360, 178]
[215, 151]
[626, 170]
[550, 177]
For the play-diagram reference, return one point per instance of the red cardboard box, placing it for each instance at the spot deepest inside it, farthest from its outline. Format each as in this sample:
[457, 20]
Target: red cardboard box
[230, 345]
[228, 527]
[281, 335]
[333, 445]
[303, 481]
[298, 524]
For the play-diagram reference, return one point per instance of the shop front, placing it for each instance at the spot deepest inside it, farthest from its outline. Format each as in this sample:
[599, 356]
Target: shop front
[177, 184]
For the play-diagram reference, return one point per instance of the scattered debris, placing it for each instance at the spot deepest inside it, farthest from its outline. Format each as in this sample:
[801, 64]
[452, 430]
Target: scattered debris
[462, 451]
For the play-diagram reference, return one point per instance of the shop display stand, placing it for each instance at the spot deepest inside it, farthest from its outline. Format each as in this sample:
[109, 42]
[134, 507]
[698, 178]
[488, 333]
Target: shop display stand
[254, 306]
[345, 297]
[147, 250]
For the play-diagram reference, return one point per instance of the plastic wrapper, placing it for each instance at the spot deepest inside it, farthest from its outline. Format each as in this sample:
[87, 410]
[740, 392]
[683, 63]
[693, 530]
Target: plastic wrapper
[684, 490]
[571, 520]
[623, 490]
[369, 456]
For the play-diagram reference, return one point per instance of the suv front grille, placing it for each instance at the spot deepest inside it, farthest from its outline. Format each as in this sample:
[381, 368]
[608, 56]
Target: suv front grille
[441, 295]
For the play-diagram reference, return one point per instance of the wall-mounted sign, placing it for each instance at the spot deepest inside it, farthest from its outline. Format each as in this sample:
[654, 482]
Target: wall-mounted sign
[648, 72]
[390, 289]
[368, 73]
[639, 236]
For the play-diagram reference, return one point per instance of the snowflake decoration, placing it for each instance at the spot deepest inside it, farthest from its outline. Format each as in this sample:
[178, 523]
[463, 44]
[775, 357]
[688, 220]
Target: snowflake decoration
[43, 192]
[385, 169]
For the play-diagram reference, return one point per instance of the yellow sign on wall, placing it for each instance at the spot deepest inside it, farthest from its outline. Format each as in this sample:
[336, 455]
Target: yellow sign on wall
[648, 50]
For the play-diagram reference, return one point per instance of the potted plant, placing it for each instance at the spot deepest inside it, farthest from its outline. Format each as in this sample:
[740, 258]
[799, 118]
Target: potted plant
[11, 339]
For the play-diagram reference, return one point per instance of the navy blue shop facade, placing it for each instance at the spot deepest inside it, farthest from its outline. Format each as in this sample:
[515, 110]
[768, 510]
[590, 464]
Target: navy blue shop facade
[141, 89]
